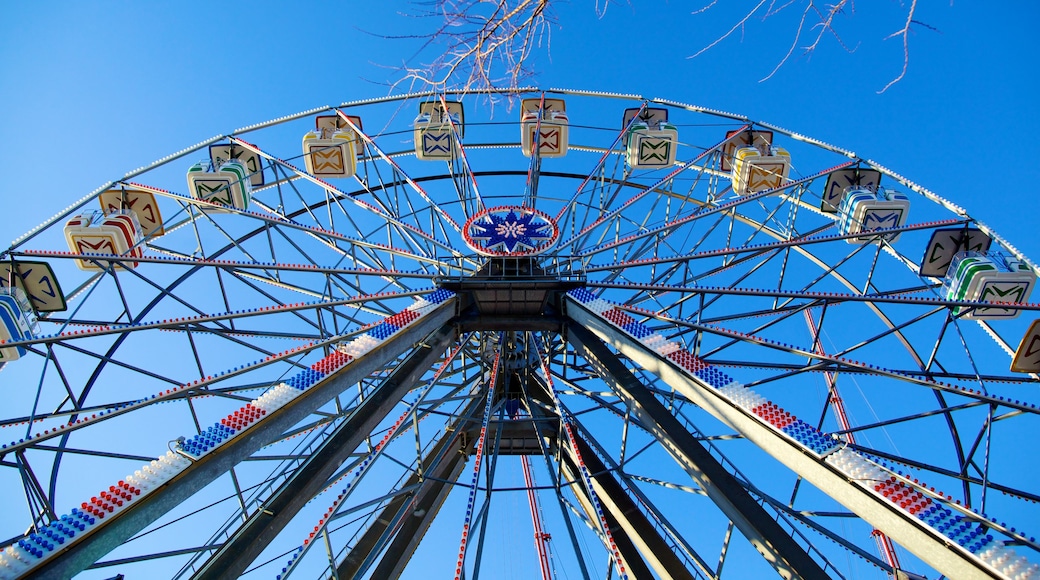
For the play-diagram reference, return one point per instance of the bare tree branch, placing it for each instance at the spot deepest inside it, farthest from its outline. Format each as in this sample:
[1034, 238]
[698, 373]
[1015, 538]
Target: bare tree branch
[905, 33]
[489, 44]
[481, 44]
[739, 24]
[820, 18]
[794, 43]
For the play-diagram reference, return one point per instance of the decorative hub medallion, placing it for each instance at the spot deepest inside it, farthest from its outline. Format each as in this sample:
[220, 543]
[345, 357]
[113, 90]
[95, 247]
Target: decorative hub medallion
[510, 230]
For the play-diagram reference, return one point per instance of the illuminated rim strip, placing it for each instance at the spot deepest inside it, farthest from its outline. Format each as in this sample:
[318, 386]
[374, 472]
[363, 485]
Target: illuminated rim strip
[511, 230]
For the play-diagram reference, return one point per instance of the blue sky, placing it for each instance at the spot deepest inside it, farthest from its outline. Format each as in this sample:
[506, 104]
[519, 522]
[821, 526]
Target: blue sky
[91, 90]
[121, 84]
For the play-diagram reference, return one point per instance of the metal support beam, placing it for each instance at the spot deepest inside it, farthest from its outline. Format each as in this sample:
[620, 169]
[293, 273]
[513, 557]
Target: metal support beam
[913, 534]
[444, 462]
[425, 505]
[532, 323]
[520, 437]
[120, 527]
[764, 533]
[632, 559]
[265, 523]
[633, 522]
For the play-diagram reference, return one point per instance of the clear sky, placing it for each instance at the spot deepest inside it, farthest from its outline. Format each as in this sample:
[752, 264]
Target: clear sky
[120, 84]
[91, 90]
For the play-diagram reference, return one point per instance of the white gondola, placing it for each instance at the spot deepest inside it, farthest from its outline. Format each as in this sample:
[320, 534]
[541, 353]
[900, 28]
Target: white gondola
[544, 124]
[94, 232]
[988, 277]
[434, 131]
[17, 321]
[227, 184]
[651, 140]
[865, 210]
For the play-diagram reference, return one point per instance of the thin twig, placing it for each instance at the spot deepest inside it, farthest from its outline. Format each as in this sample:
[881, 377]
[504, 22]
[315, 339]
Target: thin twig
[821, 18]
[739, 24]
[905, 33]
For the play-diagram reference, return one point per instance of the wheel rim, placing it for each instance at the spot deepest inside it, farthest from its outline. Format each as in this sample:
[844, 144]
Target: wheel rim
[224, 305]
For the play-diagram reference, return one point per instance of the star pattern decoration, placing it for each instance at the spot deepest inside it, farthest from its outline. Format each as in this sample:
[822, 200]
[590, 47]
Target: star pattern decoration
[523, 230]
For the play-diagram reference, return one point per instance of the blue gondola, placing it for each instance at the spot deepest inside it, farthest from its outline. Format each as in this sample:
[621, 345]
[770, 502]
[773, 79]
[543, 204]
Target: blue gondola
[865, 210]
[17, 321]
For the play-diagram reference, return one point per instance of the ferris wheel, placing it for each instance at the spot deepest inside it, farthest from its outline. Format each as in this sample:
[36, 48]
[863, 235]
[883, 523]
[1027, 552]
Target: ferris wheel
[537, 332]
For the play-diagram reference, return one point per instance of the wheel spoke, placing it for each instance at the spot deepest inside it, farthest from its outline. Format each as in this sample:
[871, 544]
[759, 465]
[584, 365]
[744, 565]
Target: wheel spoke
[678, 313]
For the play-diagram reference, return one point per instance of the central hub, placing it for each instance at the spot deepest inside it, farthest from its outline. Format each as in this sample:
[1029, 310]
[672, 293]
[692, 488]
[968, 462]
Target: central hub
[510, 230]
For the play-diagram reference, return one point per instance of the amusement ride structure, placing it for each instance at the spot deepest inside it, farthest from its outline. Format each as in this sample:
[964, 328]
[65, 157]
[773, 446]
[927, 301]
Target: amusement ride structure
[573, 333]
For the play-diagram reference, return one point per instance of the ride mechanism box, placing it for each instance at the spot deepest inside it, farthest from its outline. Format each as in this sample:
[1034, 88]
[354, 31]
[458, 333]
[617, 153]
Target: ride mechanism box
[94, 232]
[755, 171]
[988, 277]
[864, 210]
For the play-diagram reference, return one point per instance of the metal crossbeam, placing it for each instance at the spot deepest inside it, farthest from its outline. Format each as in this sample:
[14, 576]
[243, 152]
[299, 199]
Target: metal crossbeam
[444, 462]
[786, 556]
[633, 561]
[264, 524]
[632, 521]
[120, 527]
[423, 506]
[911, 533]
